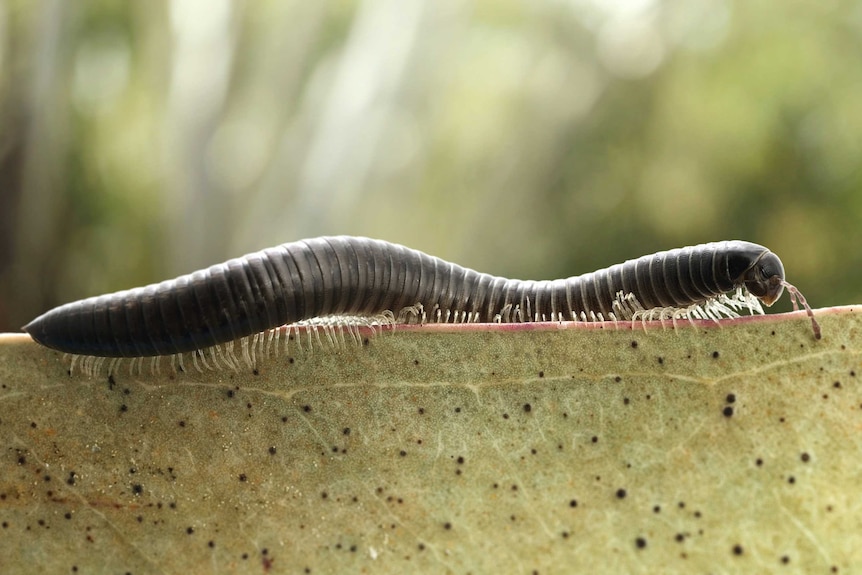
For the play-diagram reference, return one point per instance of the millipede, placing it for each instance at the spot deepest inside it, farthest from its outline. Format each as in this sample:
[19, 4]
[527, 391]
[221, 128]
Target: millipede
[334, 279]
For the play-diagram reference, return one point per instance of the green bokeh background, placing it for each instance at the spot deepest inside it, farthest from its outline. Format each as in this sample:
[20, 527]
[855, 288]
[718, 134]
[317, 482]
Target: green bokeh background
[540, 138]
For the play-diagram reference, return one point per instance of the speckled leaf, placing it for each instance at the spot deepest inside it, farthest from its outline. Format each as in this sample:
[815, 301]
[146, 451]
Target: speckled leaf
[509, 449]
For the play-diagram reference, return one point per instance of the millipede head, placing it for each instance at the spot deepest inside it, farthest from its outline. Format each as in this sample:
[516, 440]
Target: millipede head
[765, 278]
[762, 274]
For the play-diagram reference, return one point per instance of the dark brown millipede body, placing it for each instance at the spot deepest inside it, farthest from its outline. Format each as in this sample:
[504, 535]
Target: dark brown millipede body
[352, 276]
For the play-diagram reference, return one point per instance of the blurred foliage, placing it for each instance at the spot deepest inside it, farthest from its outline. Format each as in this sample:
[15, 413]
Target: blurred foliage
[540, 138]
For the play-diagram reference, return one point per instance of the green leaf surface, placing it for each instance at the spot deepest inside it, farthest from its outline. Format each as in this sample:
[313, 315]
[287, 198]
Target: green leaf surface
[550, 448]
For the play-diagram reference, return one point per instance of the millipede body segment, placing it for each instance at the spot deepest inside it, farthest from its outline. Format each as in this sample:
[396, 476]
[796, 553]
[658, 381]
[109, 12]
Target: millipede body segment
[354, 276]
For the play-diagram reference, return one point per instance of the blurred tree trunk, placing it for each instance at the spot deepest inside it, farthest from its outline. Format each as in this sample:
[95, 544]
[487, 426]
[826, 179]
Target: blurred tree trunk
[33, 161]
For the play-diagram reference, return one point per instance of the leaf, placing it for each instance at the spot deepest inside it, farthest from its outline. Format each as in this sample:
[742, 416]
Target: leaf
[511, 448]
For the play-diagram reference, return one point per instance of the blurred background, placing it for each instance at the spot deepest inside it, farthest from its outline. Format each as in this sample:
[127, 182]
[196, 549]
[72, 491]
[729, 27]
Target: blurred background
[527, 138]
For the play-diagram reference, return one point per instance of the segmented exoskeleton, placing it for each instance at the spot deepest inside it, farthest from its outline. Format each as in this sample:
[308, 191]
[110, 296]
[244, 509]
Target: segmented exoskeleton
[353, 276]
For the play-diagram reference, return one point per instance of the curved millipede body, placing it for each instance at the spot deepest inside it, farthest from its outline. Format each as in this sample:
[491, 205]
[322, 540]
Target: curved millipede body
[352, 276]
